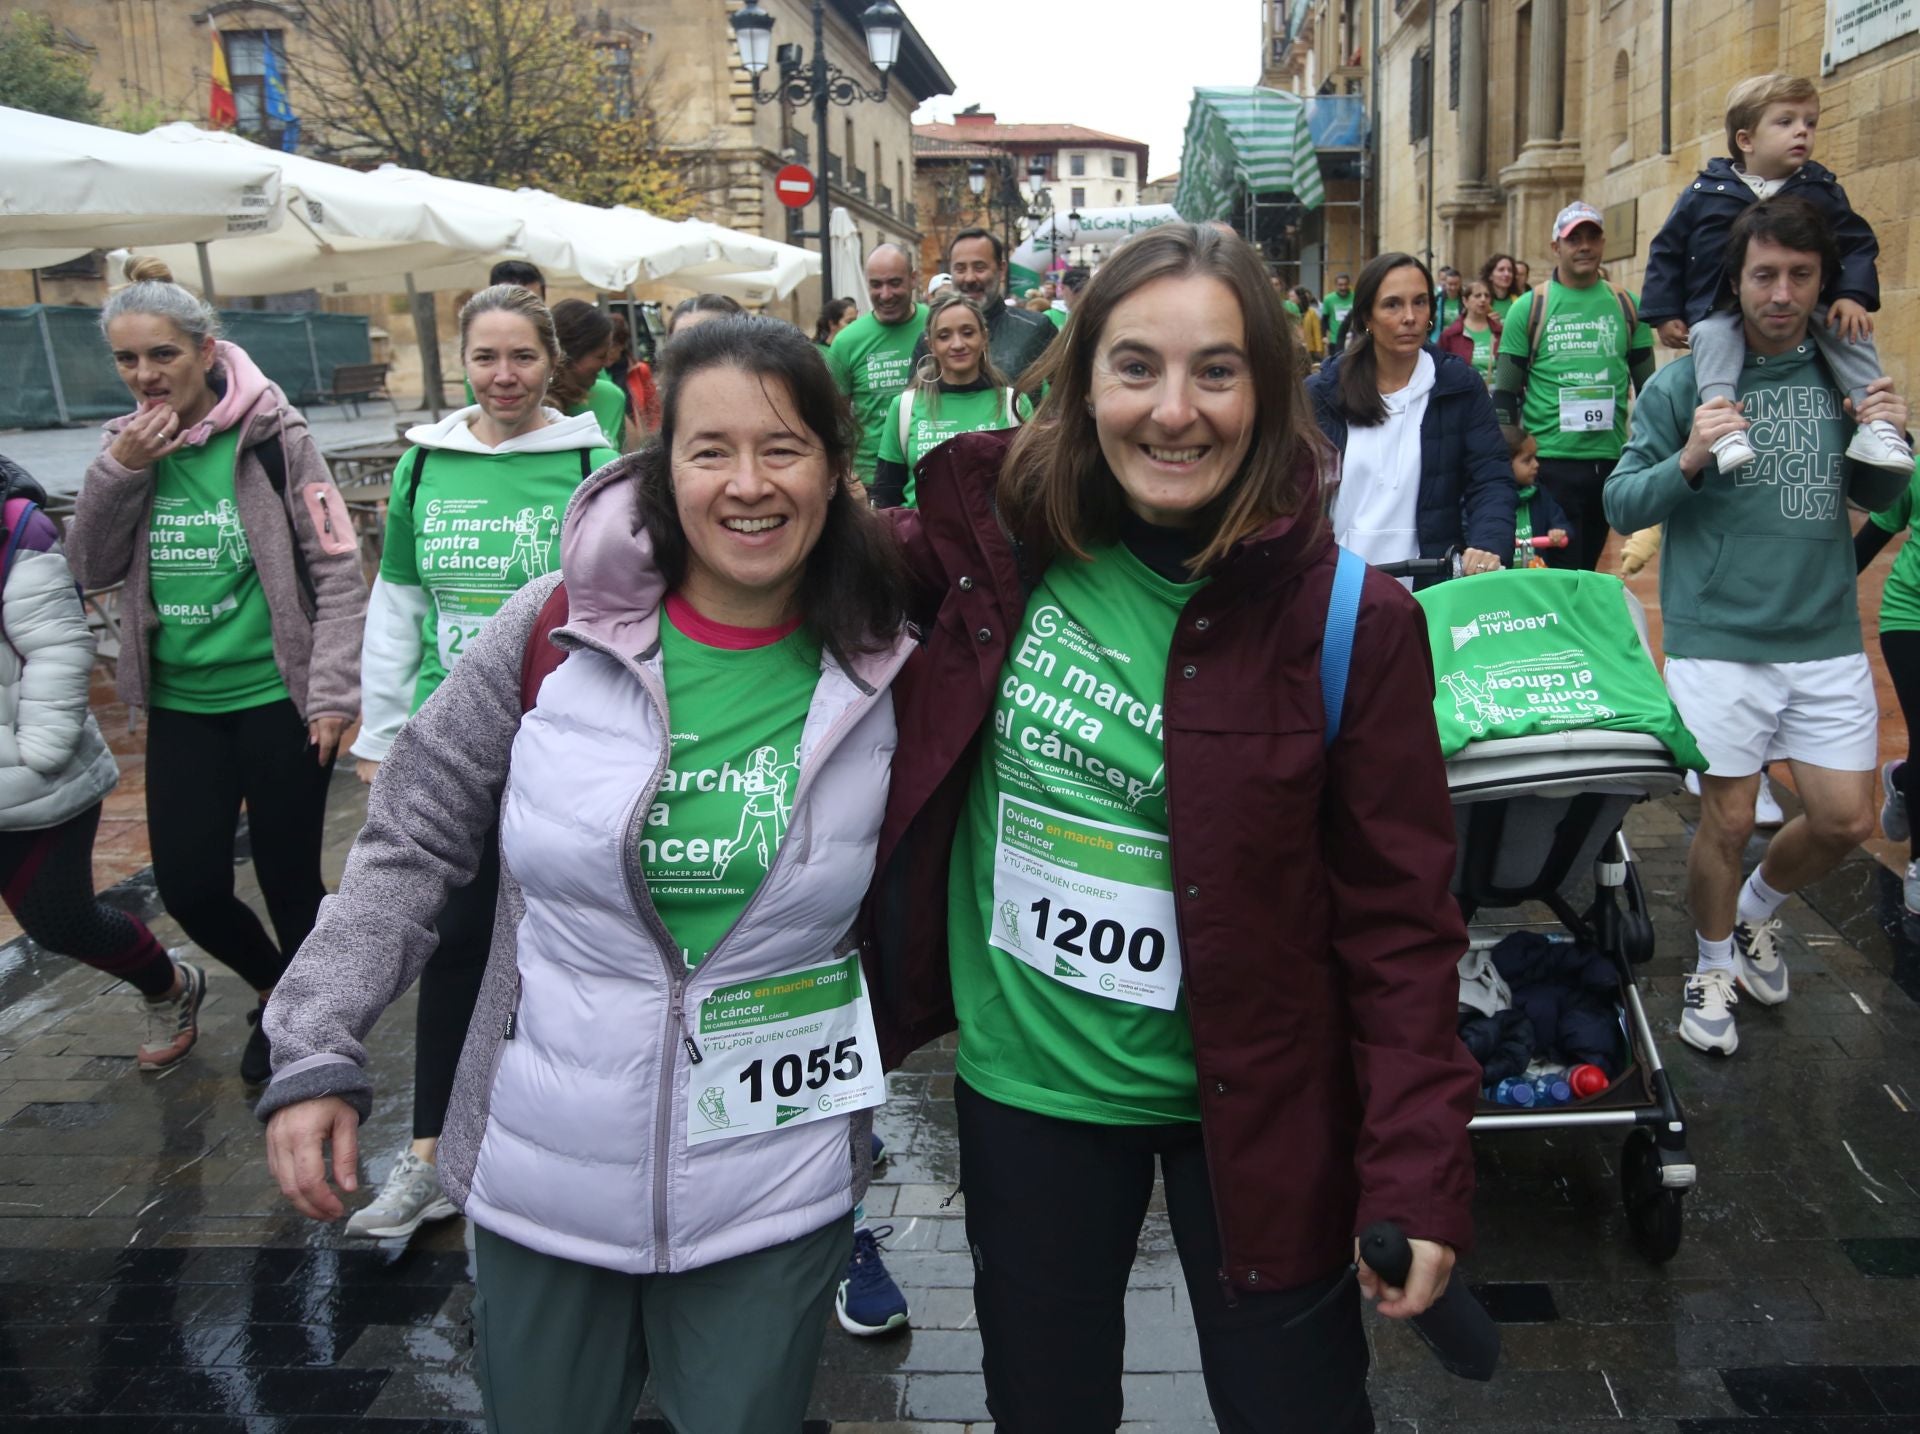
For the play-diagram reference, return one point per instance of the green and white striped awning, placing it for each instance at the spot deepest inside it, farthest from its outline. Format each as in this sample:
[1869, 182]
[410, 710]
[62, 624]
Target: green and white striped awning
[1245, 139]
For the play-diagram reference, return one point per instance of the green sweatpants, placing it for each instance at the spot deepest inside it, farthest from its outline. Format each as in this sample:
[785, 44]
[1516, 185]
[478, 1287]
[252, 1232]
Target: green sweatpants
[731, 1348]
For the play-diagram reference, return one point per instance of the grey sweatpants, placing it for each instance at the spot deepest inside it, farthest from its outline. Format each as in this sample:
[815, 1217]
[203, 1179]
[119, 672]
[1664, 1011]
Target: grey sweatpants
[731, 1348]
[1720, 347]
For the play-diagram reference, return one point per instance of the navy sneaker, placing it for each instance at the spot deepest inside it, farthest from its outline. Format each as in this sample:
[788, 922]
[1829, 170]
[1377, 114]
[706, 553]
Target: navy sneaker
[868, 1301]
[879, 1153]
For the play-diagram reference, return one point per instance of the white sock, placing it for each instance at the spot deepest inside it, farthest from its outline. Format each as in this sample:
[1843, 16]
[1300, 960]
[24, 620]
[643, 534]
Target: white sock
[1714, 955]
[1758, 901]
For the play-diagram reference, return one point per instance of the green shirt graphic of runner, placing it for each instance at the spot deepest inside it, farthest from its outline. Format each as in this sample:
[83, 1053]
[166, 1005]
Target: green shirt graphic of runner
[1577, 385]
[1066, 959]
[956, 413]
[213, 650]
[480, 527]
[720, 814]
[872, 362]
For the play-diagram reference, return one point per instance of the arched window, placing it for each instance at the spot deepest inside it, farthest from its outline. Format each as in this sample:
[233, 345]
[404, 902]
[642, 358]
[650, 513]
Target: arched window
[1620, 126]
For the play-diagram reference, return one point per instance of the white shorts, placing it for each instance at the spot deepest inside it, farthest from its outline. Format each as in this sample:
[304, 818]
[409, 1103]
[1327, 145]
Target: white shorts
[1746, 714]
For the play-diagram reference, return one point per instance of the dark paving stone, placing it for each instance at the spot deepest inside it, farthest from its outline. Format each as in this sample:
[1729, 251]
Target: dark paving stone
[1885, 1259]
[343, 1392]
[288, 1346]
[1897, 1388]
[1804, 1424]
[1833, 1389]
[355, 1305]
[1518, 1302]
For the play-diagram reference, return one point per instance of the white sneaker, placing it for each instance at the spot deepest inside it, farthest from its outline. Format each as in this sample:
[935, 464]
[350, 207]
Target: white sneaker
[1766, 807]
[1706, 1017]
[411, 1197]
[1757, 963]
[1910, 888]
[1894, 825]
[1732, 452]
[1880, 445]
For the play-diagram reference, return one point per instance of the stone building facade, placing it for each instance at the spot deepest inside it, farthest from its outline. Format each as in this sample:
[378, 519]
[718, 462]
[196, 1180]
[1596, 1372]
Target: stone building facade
[1490, 115]
[151, 59]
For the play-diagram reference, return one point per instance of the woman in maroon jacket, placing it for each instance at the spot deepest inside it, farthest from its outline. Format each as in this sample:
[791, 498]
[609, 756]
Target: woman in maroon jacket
[1172, 923]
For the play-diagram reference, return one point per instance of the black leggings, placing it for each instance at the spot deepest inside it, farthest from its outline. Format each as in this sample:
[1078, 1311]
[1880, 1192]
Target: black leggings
[449, 990]
[46, 877]
[1902, 653]
[1054, 1209]
[200, 768]
[1576, 485]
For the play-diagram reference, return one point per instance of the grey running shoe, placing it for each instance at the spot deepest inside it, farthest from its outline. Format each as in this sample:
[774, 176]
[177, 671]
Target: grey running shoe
[1706, 1019]
[173, 1022]
[1757, 963]
[1893, 806]
[411, 1197]
[1910, 889]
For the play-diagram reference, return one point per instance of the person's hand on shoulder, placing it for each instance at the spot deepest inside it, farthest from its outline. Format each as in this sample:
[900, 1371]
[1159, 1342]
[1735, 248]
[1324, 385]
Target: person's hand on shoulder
[1673, 333]
[1712, 421]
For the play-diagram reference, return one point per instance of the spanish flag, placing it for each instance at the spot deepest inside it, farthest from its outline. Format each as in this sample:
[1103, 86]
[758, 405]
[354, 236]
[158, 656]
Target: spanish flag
[220, 106]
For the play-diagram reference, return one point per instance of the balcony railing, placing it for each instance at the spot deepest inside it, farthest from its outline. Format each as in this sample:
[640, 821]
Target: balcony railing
[833, 168]
[797, 144]
[911, 213]
[885, 199]
[858, 184]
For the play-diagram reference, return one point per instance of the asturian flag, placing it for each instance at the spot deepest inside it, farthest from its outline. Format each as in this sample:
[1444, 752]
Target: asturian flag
[220, 106]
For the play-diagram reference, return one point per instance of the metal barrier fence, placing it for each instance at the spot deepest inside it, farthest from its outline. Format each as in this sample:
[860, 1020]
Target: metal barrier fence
[55, 368]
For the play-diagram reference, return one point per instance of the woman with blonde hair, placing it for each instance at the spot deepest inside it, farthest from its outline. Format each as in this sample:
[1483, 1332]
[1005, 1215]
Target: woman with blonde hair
[1191, 914]
[956, 389]
[241, 606]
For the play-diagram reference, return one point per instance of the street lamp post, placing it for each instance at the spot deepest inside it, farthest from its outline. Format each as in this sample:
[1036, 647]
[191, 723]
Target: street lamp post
[818, 84]
[1013, 206]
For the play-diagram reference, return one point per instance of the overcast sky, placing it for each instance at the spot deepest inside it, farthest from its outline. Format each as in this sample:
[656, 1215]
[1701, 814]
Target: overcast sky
[1128, 67]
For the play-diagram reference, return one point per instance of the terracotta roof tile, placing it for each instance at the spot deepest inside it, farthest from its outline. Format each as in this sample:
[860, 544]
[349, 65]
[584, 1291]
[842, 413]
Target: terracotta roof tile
[1005, 134]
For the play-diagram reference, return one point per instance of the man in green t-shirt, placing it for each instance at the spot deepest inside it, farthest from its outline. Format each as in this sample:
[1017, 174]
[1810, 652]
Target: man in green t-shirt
[1761, 622]
[1335, 308]
[872, 357]
[1566, 377]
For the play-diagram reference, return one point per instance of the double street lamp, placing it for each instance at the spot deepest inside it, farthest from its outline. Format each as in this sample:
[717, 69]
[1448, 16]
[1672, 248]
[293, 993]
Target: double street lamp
[819, 84]
[1013, 205]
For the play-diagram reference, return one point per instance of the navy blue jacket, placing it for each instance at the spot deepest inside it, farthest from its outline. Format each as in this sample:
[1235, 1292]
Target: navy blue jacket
[1467, 495]
[1686, 263]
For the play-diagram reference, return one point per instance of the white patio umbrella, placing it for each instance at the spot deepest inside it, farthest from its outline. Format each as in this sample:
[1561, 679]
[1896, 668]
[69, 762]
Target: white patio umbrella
[67, 188]
[847, 258]
[343, 233]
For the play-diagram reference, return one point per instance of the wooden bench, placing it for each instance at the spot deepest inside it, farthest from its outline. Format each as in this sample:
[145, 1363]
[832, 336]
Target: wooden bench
[352, 382]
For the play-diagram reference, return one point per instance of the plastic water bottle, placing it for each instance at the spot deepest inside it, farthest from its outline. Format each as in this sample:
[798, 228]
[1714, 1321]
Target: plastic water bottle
[1551, 1090]
[1514, 1092]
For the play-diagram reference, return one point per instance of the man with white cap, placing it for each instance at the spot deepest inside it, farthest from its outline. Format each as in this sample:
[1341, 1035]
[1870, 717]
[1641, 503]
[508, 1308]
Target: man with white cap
[1571, 352]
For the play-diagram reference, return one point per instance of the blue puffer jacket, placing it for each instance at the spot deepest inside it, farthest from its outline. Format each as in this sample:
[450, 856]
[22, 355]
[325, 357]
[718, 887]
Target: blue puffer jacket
[1686, 269]
[1467, 495]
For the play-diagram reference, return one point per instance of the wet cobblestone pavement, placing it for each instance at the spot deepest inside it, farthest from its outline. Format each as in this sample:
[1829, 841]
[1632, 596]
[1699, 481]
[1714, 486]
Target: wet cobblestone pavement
[152, 1280]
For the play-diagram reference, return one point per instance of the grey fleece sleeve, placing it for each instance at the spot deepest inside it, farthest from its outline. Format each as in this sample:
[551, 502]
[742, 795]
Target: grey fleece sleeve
[106, 521]
[429, 811]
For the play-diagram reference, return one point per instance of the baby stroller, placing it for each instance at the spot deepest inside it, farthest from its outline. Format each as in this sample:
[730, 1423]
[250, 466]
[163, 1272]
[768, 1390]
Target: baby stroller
[1542, 678]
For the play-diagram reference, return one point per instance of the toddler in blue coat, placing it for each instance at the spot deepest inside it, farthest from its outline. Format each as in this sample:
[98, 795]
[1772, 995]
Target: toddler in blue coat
[1771, 121]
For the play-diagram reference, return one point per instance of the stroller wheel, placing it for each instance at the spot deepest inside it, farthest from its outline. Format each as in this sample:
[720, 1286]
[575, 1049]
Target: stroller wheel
[1653, 1210]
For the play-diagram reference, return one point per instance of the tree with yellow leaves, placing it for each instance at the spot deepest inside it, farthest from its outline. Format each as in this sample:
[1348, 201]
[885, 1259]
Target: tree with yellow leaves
[500, 92]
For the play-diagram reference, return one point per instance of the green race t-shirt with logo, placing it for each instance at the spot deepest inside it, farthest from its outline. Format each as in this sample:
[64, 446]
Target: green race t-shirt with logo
[1065, 954]
[1333, 311]
[722, 809]
[1900, 599]
[213, 649]
[476, 529]
[609, 407]
[1577, 385]
[954, 413]
[1502, 307]
[872, 362]
[1482, 350]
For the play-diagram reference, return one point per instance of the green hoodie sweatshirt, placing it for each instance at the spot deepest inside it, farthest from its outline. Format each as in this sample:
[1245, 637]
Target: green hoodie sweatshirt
[1757, 567]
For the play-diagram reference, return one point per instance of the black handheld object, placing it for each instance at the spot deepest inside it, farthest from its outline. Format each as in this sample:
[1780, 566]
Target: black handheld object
[1462, 1336]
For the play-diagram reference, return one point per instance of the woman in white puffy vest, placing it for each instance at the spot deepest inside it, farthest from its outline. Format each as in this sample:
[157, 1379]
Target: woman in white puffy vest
[660, 1124]
[55, 771]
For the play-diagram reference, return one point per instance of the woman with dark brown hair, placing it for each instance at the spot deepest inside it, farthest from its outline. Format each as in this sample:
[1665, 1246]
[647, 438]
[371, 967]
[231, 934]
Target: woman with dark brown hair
[1187, 911]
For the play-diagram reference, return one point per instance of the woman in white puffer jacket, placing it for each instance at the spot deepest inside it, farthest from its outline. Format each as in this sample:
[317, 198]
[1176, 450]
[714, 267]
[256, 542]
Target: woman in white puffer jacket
[55, 771]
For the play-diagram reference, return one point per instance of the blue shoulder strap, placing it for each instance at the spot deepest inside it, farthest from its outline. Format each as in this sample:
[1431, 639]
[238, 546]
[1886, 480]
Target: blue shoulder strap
[1336, 647]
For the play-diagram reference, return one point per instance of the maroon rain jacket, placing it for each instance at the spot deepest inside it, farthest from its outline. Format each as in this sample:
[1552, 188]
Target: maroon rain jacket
[1311, 886]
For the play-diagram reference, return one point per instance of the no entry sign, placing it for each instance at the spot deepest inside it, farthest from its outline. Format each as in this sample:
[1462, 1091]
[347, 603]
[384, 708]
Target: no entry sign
[794, 185]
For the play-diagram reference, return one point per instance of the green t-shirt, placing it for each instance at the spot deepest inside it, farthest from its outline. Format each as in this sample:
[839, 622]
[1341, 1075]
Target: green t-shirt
[722, 809]
[955, 413]
[1445, 311]
[1900, 599]
[1578, 385]
[1501, 307]
[1057, 317]
[1519, 654]
[1482, 349]
[1065, 954]
[213, 650]
[872, 362]
[1333, 310]
[609, 407]
[1293, 309]
[480, 527]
